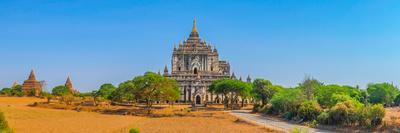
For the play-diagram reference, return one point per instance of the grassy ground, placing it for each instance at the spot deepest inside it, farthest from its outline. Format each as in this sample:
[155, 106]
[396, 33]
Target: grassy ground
[392, 118]
[23, 119]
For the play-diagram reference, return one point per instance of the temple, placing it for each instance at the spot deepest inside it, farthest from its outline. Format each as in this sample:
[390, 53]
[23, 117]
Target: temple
[31, 86]
[195, 65]
[69, 85]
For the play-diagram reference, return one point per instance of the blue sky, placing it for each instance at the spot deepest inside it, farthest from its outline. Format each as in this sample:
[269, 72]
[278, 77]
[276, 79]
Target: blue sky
[352, 42]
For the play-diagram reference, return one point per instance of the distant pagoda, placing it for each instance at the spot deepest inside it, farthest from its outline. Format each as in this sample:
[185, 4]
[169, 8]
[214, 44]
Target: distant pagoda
[69, 85]
[31, 85]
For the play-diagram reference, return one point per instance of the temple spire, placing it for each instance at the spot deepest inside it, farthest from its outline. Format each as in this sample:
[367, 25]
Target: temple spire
[194, 34]
[69, 85]
[166, 70]
[194, 29]
[32, 76]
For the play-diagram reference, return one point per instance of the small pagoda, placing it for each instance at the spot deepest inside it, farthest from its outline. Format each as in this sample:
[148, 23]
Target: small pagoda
[31, 85]
[70, 87]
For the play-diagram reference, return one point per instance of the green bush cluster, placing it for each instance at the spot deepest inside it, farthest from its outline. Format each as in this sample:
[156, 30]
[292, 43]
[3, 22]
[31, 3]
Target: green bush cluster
[313, 102]
[350, 114]
[15, 91]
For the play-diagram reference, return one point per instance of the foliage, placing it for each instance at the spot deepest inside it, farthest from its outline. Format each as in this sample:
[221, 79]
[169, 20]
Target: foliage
[329, 95]
[397, 100]
[6, 91]
[3, 124]
[17, 91]
[264, 90]
[323, 118]
[344, 113]
[134, 130]
[60, 91]
[287, 100]
[309, 86]
[371, 116]
[124, 92]
[231, 89]
[309, 110]
[383, 93]
[105, 91]
[153, 87]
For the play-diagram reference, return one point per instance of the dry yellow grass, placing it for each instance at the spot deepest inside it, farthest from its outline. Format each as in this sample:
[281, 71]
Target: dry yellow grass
[23, 119]
[393, 117]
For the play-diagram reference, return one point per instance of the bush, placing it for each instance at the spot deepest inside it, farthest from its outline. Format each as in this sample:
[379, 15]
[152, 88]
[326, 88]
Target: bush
[323, 118]
[286, 101]
[344, 113]
[134, 130]
[4, 128]
[383, 93]
[377, 114]
[6, 91]
[309, 110]
[397, 100]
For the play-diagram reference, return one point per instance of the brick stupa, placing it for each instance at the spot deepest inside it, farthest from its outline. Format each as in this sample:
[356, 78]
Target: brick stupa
[69, 85]
[31, 84]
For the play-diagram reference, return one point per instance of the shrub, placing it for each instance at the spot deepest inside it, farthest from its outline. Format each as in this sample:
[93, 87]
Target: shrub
[397, 100]
[134, 130]
[4, 128]
[286, 101]
[6, 91]
[323, 118]
[309, 110]
[376, 114]
[344, 113]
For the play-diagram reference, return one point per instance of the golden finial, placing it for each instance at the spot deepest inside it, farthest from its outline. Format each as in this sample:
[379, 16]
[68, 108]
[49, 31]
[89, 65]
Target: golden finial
[194, 29]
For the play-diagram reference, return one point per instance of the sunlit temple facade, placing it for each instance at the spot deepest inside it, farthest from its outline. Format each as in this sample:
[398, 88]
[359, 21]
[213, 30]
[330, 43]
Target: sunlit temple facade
[195, 65]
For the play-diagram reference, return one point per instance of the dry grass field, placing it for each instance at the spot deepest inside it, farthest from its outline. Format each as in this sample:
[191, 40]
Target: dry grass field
[25, 119]
[392, 118]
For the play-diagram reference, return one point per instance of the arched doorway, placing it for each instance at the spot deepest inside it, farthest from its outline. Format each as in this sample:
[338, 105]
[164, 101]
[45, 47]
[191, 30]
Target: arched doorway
[198, 99]
[195, 71]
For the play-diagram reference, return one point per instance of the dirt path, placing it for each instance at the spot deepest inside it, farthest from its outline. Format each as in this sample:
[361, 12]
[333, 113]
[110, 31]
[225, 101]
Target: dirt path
[272, 122]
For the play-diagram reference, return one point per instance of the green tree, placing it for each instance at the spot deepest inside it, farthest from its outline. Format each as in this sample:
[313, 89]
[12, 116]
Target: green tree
[6, 91]
[153, 87]
[105, 91]
[17, 91]
[397, 100]
[309, 86]
[329, 95]
[125, 92]
[383, 93]
[231, 89]
[287, 101]
[264, 90]
[60, 91]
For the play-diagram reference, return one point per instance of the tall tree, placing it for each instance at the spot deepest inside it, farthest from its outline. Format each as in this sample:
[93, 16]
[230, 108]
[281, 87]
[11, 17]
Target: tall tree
[309, 86]
[231, 89]
[383, 93]
[153, 87]
[264, 90]
[105, 91]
